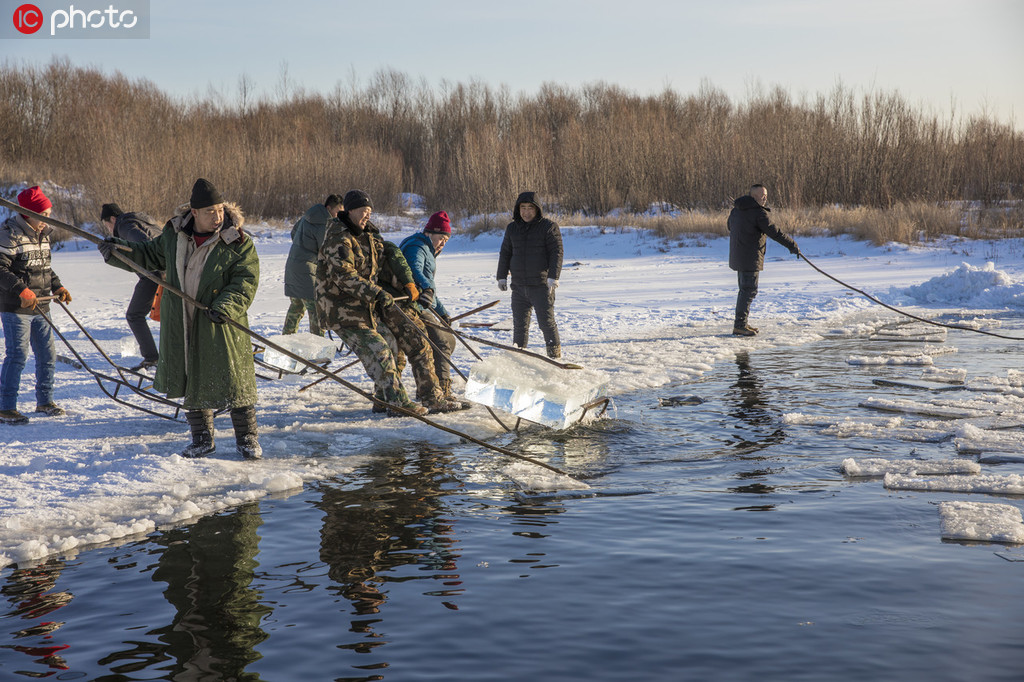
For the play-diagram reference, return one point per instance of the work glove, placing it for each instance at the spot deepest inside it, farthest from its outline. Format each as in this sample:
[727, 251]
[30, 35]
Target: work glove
[215, 316]
[414, 293]
[503, 284]
[447, 319]
[28, 298]
[427, 298]
[63, 295]
[552, 284]
[795, 250]
[384, 299]
[106, 248]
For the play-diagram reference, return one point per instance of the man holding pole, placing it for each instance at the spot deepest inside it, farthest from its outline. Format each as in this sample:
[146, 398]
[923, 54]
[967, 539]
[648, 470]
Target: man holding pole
[25, 278]
[203, 358]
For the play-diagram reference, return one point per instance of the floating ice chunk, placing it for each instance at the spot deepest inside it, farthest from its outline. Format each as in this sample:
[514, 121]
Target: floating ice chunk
[1015, 377]
[533, 389]
[532, 477]
[945, 375]
[913, 360]
[1006, 484]
[914, 434]
[875, 466]
[982, 521]
[315, 349]
[973, 440]
[925, 409]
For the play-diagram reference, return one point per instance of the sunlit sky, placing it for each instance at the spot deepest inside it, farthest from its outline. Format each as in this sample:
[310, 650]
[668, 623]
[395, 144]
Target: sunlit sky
[942, 55]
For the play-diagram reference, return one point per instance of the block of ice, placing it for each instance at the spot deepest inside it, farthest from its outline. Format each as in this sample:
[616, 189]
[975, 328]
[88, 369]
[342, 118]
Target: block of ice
[533, 389]
[981, 521]
[875, 466]
[315, 349]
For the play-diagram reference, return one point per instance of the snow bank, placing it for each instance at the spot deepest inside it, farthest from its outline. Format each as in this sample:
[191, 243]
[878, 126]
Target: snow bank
[975, 287]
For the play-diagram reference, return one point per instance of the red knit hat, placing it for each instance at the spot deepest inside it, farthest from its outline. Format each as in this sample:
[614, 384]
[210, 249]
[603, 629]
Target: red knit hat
[34, 200]
[439, 224]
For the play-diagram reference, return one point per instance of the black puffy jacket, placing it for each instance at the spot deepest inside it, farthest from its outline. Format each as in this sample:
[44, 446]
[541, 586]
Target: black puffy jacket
[25, 263]
[748, 225]
[531, 252]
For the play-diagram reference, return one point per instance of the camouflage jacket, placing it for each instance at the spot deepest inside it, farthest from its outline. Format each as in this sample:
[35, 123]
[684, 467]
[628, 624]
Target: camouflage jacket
[347, 269]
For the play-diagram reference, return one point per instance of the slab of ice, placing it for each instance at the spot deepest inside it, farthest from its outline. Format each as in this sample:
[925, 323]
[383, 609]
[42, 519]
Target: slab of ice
[316, 349]
[876, 466]
[1005, 484]
[982, 521]
[946, 375]
[921, 384]
[925, 409]
[913, 434]
[533, 389]
[912, 360]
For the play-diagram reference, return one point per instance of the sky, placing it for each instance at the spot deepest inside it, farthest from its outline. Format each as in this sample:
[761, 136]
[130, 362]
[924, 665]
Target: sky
[948, 57]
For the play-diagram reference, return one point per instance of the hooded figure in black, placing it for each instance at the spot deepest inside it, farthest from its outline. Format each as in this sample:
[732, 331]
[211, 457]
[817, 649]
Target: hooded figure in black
[532, 252]
[748, 225]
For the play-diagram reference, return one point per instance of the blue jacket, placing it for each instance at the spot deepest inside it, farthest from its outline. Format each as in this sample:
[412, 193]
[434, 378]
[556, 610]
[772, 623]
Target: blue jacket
[419, 251]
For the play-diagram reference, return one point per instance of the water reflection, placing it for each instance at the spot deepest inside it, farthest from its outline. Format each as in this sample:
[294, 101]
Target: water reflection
[391, 529]
[755, 430]
[30, 592]
[209, 569]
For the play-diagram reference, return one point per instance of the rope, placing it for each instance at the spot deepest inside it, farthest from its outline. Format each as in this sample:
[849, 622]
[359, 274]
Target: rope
[905, 313]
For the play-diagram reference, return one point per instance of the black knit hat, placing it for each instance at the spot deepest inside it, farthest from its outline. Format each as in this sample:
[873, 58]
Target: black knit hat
[204, 194]
[356, 198]
[110, 211]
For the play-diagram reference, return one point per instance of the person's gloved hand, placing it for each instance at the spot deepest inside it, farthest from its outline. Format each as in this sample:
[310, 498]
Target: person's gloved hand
[414, 293]
[28, 298]
[63, 295]
[384, 299]
[552, 284]
[503, 284]
[795, 250]
[427, 298]
[106, 248]
[215, 316]
[447, 319]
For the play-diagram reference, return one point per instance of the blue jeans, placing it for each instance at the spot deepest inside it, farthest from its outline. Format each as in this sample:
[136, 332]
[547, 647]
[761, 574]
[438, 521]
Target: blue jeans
[20, 332]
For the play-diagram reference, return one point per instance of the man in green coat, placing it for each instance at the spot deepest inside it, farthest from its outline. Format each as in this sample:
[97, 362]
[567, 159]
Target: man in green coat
[209, 363]
[300, 268]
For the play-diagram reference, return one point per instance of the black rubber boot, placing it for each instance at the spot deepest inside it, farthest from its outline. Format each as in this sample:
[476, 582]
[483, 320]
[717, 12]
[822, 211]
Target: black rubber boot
[244, 421]
[200, 423]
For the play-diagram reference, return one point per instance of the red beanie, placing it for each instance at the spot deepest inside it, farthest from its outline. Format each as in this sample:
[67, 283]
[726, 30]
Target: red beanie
[34, 200]
[439, 224]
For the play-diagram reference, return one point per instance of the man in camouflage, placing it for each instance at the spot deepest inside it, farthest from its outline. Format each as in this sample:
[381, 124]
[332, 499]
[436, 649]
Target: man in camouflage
[349, 300]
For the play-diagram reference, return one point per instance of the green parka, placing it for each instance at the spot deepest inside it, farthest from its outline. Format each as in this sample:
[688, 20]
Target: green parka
[212, 365]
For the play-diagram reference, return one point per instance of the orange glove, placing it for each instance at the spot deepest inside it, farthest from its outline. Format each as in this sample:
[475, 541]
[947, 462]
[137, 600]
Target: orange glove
[414, 293]
[63, 295]
[28, 298]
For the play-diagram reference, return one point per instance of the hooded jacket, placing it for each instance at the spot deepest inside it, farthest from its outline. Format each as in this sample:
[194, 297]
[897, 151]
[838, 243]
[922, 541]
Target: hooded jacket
[419, 252]
[300, 268]
[25, 264]
[748, 225]
[210, 365]
[530, 252]
[347, 268]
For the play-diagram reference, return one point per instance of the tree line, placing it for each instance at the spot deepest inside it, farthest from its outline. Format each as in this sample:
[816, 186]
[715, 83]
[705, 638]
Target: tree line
[471, 148]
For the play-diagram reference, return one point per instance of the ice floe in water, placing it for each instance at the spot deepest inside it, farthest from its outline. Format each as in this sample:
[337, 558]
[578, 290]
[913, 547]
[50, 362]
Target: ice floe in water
[981, 521]
[532, 477]
[876, 466]
[998, 484]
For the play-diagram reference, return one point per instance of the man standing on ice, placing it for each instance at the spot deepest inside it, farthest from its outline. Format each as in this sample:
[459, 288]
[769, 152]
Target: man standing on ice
[532, 252]
[748, 225]
[300, 268]
[136, 227]
[207, 256]
[25, 276]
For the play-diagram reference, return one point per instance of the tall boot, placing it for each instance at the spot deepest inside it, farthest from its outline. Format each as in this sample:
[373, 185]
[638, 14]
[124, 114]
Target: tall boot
[200, 423]
[554, 352]
[244, 421]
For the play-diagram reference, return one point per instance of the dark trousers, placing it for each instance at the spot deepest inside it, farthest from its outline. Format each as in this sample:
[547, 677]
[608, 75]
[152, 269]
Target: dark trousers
[533, 297]
[748, 290]
[138, 317]
[445, 342]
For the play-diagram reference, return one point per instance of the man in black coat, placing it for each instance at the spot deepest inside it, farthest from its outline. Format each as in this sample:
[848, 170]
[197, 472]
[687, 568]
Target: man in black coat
[748, 225]
[136, 227]
[532, 252]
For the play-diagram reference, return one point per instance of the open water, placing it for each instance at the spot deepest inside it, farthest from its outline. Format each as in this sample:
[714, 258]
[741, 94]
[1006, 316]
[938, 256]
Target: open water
[718, 543]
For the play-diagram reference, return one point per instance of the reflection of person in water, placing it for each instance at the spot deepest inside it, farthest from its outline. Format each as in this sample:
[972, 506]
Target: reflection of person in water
[208, 569]
[752, 410]
[28, 589]
[393, 521]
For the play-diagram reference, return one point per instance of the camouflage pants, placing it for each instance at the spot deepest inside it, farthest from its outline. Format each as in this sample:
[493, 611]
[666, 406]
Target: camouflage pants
[373, 351]
[295, 310]
[407, 336]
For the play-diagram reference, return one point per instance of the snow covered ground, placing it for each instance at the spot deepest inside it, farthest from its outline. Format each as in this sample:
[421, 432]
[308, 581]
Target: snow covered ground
[647, 313]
